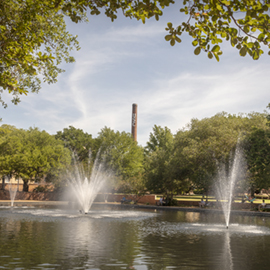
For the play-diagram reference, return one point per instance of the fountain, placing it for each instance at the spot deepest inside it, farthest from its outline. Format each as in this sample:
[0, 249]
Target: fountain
[86, 183]
[112, 237]
[12, 193]
[226, 182]
[124, 238]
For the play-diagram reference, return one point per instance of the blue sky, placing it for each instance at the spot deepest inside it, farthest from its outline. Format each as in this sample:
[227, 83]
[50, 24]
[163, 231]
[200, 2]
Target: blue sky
[127, 62]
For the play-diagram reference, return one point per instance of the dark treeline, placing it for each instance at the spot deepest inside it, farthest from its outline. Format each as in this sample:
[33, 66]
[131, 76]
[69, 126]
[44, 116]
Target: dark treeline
[169, 164]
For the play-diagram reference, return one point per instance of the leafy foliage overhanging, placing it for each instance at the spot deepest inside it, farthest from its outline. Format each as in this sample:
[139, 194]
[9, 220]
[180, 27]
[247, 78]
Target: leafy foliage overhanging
[34, 39]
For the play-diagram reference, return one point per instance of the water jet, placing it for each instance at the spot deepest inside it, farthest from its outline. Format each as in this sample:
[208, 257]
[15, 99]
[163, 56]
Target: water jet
[226, 181]
[12, 193]
[86, 182]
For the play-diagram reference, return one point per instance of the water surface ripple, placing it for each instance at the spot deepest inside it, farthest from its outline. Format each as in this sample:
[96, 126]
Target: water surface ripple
[37, 238]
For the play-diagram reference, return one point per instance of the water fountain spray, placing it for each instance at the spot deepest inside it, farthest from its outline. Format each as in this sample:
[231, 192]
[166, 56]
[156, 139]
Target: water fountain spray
[87, 182]
[226, 182]
[12, 193]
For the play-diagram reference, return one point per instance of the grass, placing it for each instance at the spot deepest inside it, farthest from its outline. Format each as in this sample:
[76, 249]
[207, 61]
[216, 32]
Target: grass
[198, 197]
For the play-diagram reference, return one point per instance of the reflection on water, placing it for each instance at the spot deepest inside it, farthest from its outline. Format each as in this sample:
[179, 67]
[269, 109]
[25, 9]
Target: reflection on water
[192, 216]
[227, 253]
[142, 240]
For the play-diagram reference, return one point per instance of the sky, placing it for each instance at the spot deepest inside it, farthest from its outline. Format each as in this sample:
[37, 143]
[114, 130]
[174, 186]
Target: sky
[125, 62]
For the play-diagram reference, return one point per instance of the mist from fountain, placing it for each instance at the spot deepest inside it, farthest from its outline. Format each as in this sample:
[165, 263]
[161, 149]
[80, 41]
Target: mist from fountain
[226, 181]
[12, 193]
[86, 183]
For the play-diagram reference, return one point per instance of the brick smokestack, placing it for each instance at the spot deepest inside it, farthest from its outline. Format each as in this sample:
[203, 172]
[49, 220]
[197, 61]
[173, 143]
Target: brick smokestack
[134, 122]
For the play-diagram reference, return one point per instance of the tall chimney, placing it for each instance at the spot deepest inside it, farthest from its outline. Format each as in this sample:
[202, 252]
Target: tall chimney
[134, 122]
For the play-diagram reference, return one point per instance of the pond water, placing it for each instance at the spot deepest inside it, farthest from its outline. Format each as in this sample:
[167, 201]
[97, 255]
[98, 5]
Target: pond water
[109, 238]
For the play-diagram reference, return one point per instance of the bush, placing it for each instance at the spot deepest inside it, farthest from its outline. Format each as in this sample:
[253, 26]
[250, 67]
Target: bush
[198, 191]
[172, 202]
[40, 189]
[265, 209]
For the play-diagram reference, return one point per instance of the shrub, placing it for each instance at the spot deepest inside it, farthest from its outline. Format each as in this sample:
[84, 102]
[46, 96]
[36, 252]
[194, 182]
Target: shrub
[40, 189]
[172, 202]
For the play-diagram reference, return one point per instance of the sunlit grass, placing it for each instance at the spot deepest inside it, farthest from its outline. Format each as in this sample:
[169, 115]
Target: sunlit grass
[198, 197]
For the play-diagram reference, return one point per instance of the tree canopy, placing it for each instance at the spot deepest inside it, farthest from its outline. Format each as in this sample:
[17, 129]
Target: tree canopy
[188, 159]
[258, 147]
[158, 154]
[78, 142]
[31, 154]
[34, 39]
[122, 153]
[211, 140]
[244, 23]
[170, 163]
[257, 155]
[33, 42]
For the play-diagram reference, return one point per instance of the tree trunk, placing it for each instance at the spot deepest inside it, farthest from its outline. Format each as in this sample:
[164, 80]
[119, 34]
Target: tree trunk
[25, 186]
[252, 191]
[3, 183]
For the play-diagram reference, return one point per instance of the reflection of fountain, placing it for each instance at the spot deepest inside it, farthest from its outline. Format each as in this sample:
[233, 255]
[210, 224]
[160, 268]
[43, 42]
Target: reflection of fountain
[227, 252]
[226, 182]
[85, 184]
[113, 238]
[12, 193]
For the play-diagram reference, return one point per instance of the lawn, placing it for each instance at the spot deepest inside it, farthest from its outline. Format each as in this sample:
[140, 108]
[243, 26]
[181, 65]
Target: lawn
[198, 197]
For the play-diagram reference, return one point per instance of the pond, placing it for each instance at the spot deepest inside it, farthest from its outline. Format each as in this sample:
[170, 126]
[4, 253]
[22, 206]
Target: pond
[110, 238]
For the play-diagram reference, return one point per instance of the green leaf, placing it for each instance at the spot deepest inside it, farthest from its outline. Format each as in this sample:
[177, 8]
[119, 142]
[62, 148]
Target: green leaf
[243, 51]
[169, 25]
[214, 18]
[219, 7]
[178, 39]
[253, 14]
[168, 37]
[255, 55]
[172, 42]
[216, 48]
[210, 55]
[250, 45]
[216, 56]
[223, 35]
[197, 50]
[261, 36]
[195, 42]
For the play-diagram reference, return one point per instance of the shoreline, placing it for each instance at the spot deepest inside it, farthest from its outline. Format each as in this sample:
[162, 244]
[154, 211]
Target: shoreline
[23, 203]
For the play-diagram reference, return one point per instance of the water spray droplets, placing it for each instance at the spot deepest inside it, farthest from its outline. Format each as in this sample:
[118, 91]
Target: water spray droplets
[86, 183]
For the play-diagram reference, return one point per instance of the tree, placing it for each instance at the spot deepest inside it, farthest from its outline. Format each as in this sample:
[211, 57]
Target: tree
[122, 154]
[268, 116]
[4, 131]
[158, 155]
[257, 150]
[258, 158]
[194, 160]
[159, 138]
[78, 142]
[244, 23]
[33, 42]
[208, 141]
[31, 154]
[34, 39]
